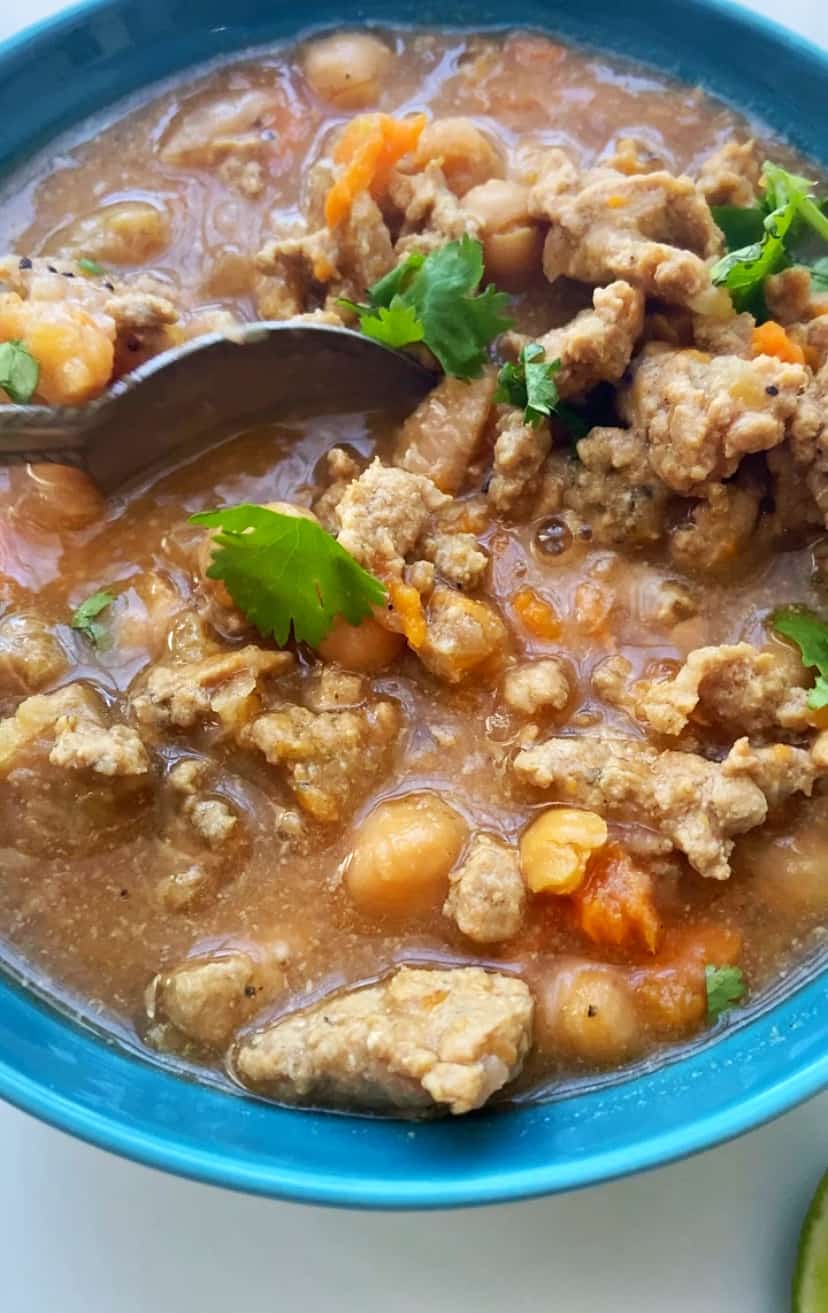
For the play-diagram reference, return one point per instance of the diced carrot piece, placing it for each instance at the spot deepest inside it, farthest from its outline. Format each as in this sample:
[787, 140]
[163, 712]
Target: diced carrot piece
[408, 605]
[537, 616]
[615, 904]
[671, 994]
[770, 339]
[369, 147]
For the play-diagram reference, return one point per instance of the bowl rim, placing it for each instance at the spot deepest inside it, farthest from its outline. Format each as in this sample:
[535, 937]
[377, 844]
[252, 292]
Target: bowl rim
[347, 1189]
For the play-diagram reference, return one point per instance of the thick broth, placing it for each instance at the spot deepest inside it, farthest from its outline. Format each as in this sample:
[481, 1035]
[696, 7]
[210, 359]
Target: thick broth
[79, 903]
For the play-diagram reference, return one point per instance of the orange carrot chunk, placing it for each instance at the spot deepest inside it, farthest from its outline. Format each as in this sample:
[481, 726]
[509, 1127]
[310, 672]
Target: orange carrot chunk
[770, 339]
[368, 149]
[615, 903]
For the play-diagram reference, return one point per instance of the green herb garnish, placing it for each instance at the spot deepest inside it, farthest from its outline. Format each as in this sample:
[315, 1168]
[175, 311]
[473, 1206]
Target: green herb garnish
[84, 618]
[90, 266]
[434, 299]
[19, 372]
[285, 571]
[819, 275]
[529, 384]
[811, 637]
[725, 987]
[767, 238]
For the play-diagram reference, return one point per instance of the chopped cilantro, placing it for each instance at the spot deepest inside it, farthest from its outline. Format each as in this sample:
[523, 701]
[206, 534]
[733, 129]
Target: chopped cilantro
[19, 372]
[725, 987]
[84, 618]
[529, 383]
[765, 239]
[811, 637]
[434, 299]
[285, 571]
[90, 266]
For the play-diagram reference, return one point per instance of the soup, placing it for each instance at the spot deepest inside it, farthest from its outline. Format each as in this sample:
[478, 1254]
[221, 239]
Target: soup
[453, 757]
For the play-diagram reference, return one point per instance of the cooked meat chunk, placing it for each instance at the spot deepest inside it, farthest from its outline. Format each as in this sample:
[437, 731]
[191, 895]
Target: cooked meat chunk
[701, 415]
[442, 436]
[487, 894]
[30, 654]
[723, 334]
[791, 297]
[84, 744]
[383, 514]
[419, 1039]
[141, 310]
[651, 229]
[730, 176]
[519, 452]
[535, 686]
[225, 688]
[597, 345]
[718, 528]
[212, 819]
[697, 804]
[432, 214]
[71, 721]
[457, 558]
[346, 261]
[612, 487]
[779, 770]
[205, 999]
[342, 470]
[329, 758]
[735, 688]
[462, 635]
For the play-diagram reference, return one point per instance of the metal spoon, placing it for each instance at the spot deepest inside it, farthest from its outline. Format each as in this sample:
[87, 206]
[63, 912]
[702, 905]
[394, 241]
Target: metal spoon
[213, 385]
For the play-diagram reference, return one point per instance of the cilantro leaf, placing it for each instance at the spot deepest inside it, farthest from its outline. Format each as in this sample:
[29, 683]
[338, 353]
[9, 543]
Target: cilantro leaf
[434, 299]
[811, 637]
[90, 266]
[19, 372]
[725, 987]
[774, 231]
[529, 383]
[819, 275]
[741, 225]
[285, 571]
[83, 619]
[395, 325]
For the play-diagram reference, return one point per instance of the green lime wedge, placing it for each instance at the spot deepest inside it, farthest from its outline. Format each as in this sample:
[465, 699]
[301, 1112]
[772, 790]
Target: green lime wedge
[810, 1283]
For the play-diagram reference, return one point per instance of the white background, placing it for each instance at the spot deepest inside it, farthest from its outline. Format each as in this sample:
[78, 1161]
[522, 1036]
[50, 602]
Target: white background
[82, 1232]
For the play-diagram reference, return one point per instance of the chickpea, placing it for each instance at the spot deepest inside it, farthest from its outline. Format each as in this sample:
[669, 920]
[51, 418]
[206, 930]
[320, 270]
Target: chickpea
[403, 853]
[347, 69]
[56, 497]
[366, 647]
[464, 153]
[512, 242]
[585, 1010]
[129, 232]
[556, 848]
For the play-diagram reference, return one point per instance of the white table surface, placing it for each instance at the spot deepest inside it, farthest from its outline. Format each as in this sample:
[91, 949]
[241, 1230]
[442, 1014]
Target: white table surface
[83, 1232]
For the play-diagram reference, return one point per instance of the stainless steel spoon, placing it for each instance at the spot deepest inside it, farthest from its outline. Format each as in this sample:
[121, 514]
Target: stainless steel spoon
[211, 386]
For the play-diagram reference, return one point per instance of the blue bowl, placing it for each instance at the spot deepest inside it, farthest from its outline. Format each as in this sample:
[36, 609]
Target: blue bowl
[49, 78]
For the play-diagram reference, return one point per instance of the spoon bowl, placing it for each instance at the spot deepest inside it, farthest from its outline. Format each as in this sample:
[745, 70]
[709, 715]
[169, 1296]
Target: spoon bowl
[212, 385]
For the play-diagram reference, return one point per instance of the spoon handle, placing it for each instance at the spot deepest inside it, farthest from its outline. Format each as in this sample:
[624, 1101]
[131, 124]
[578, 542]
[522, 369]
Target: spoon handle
[40, 433]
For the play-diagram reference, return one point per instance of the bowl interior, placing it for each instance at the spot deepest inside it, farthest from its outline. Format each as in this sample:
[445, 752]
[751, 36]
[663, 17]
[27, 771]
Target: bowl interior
[84, 60]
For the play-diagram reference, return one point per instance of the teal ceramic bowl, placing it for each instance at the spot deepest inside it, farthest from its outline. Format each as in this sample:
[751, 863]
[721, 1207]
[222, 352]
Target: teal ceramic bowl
[73, 65]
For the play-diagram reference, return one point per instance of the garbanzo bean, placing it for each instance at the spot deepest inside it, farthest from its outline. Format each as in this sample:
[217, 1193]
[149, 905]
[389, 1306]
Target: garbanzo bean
[347, 69]
[366, 647]
[587, 1011]
[556, 848]
[512, 242]
[129, 232]
[403, 853]
[464, 153]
